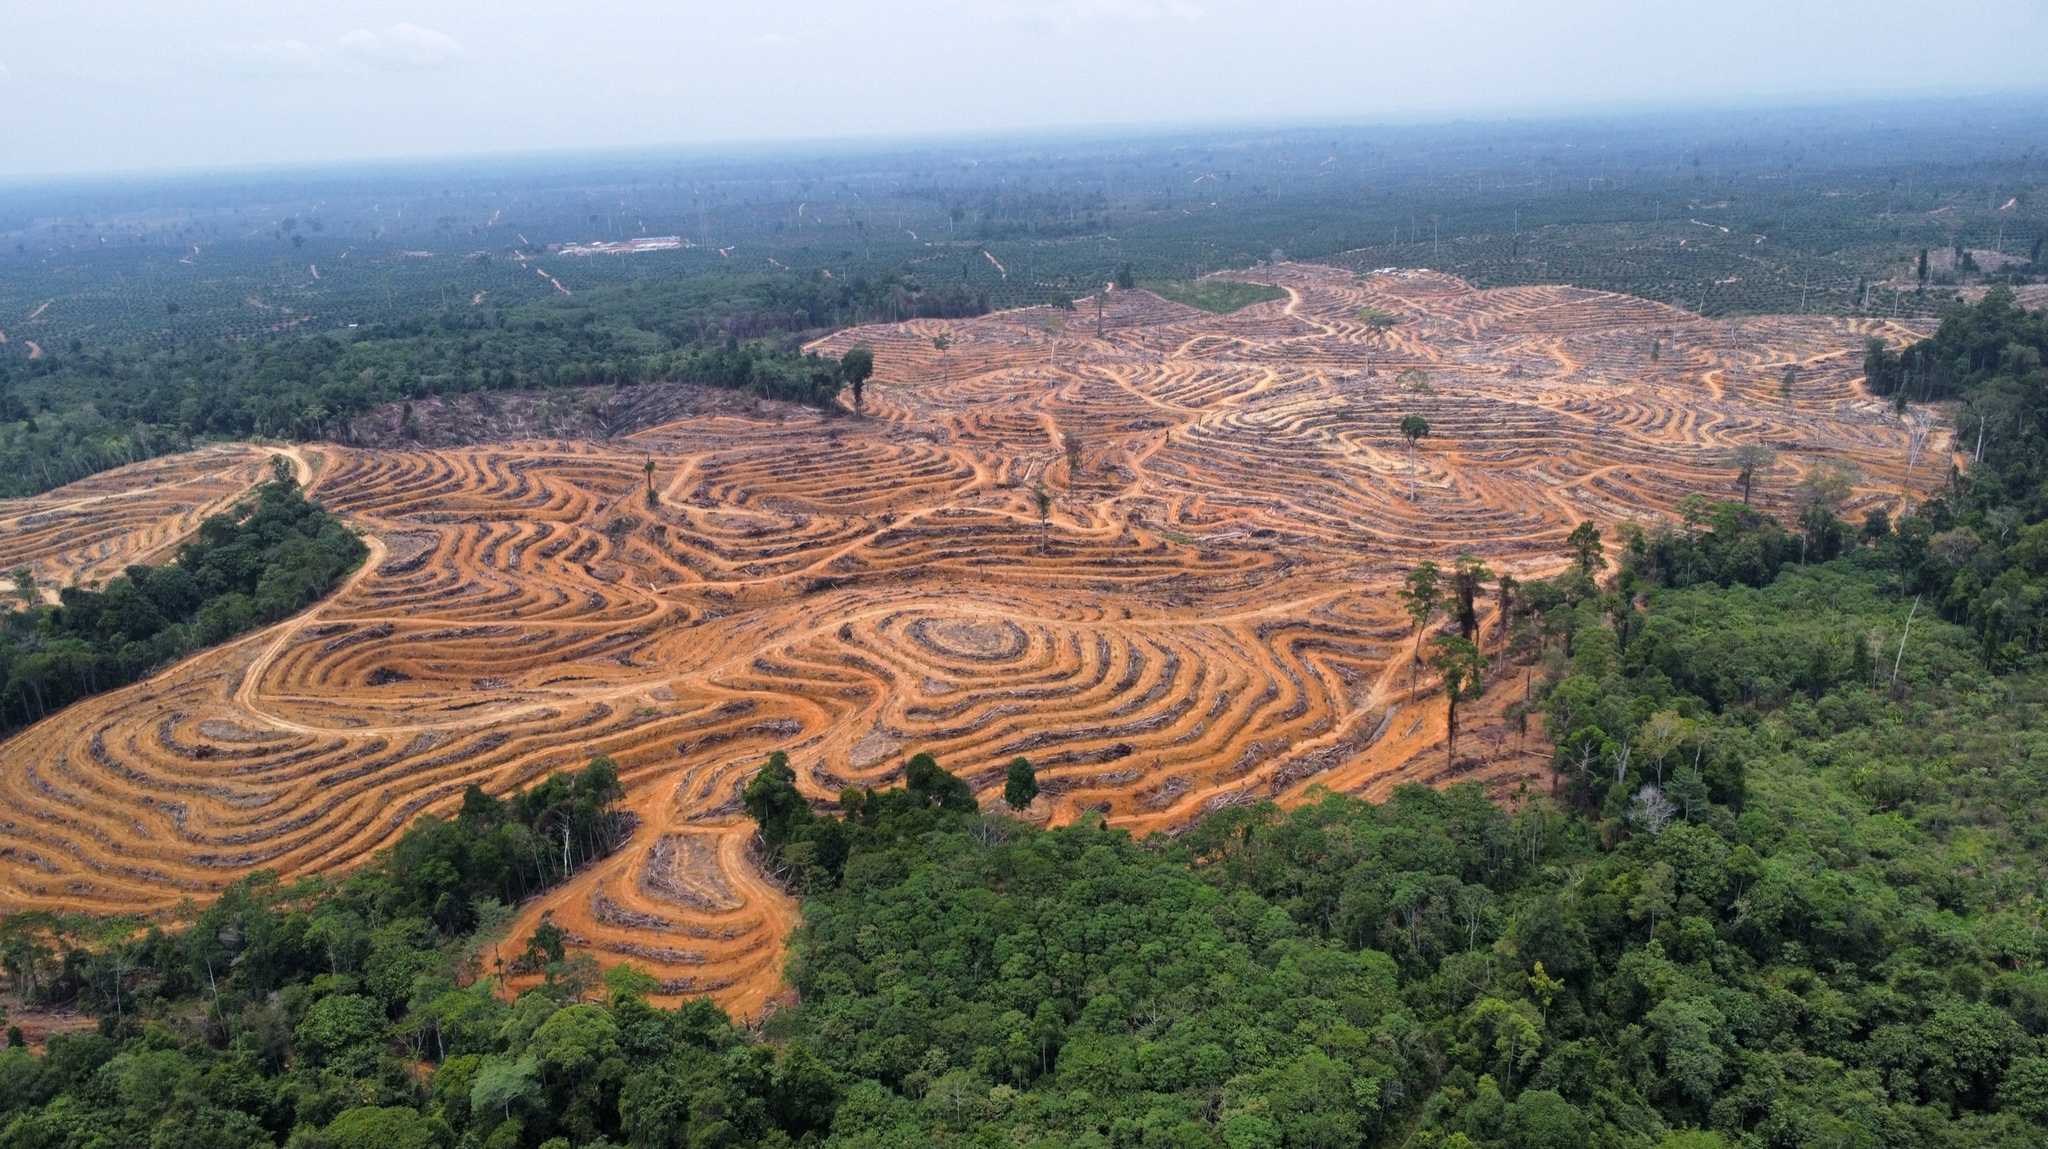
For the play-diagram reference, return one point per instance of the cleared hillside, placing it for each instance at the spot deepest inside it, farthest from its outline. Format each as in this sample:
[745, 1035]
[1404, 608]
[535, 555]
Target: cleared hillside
[1204, 616]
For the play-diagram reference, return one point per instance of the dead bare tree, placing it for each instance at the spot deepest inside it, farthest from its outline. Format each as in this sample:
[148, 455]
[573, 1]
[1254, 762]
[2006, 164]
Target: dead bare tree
[1916, 438]
[1900, 657]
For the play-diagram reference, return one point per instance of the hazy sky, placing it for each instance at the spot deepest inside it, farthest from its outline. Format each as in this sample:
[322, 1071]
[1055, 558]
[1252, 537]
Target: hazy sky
[99, 85]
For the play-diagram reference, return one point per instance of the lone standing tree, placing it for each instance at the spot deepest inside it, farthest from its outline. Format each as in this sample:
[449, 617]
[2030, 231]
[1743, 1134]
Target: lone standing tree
[1043, 498]
[1461, 665]
[1467, 576]
[943, 342]
[1413, 427]
[650, 480]
[1584, 542]
[1020, 783]
[855, 366]
[1749, 459]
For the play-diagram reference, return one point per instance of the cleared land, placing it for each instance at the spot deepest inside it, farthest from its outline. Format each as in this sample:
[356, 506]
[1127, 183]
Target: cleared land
[89, 531]
[1207, 618]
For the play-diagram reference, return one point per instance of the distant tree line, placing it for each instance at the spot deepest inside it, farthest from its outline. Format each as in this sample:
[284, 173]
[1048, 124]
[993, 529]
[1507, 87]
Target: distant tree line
[73, 413]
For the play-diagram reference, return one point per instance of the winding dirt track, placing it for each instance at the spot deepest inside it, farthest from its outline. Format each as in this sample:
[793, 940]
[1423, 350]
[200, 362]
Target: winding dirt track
[1207, 619]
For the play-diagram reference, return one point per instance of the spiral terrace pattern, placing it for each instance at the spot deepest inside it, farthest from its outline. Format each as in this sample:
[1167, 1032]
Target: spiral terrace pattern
[1207, 619]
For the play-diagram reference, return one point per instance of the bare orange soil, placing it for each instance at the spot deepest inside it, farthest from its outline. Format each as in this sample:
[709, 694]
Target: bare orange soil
[1208, 620]
[91, 530]
[38, 1024]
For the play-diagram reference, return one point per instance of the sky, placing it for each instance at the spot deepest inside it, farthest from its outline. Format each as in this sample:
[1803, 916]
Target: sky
[89, 86]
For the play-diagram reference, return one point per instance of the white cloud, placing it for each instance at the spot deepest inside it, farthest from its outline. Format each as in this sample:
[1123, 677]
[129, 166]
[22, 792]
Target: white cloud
[402, 46]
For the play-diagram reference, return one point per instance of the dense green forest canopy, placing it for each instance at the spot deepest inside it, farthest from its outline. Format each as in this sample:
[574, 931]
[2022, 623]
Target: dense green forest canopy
[1981, 556]
[266, 559]
[66, 416]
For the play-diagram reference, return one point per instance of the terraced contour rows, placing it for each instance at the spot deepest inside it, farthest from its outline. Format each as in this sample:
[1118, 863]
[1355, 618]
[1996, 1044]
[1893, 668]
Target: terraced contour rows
[1205, 618]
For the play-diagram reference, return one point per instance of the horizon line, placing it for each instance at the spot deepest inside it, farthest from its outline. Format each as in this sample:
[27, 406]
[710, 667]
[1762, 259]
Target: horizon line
[882, 141]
